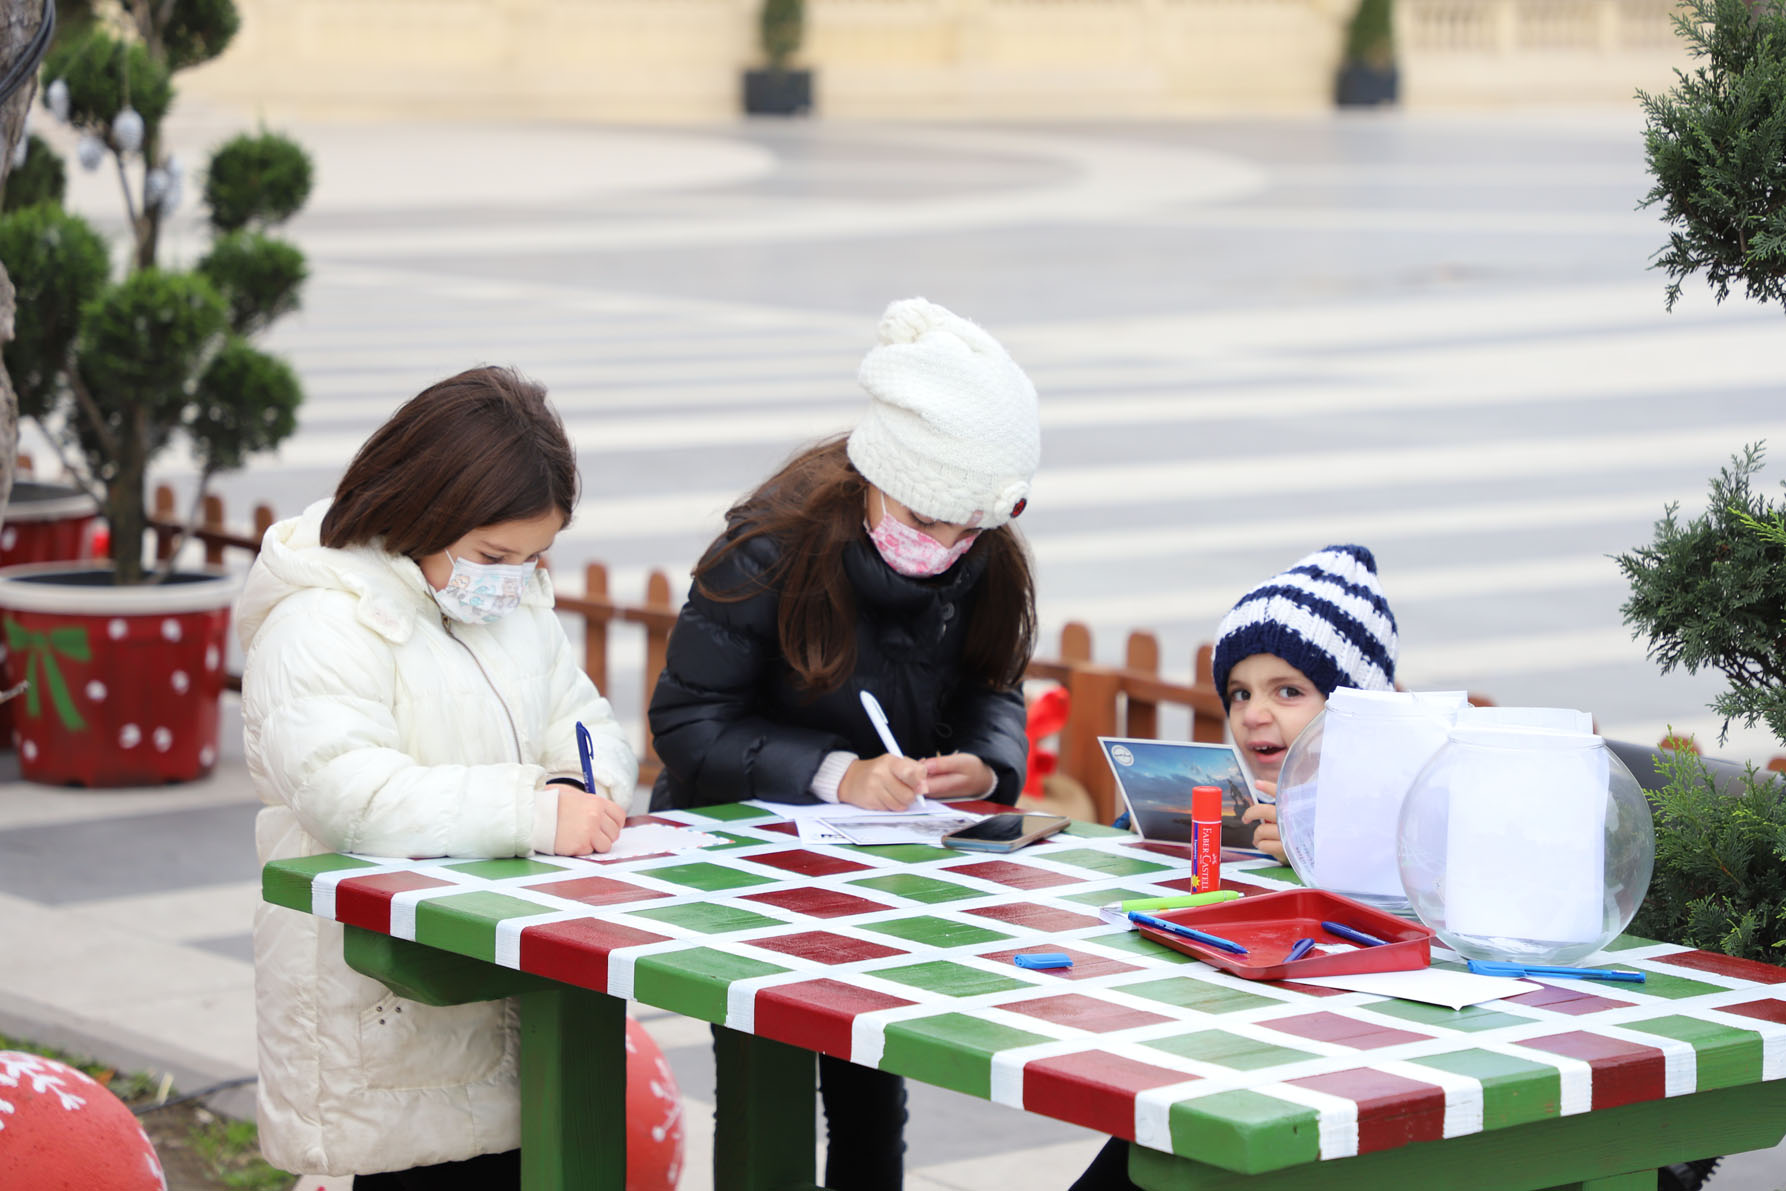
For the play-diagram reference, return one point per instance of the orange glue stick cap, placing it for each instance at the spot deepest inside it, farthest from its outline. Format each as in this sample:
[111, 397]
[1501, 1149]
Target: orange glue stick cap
[1206, 804]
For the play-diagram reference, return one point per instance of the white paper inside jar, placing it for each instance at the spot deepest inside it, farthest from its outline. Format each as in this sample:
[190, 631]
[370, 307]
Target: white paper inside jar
[1525, 845]
[1373, 744]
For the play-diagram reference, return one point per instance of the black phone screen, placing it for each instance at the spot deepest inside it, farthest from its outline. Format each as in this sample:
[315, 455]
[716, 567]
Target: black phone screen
[1000, 828]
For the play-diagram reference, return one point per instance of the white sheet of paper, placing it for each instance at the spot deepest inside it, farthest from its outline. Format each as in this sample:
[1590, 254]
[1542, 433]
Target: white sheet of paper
[652, 839]
[1373, 744]
[817, 831]
[1434, 986]
[900, 829]
[843, 810]
[1525, 844]
[1554, 719]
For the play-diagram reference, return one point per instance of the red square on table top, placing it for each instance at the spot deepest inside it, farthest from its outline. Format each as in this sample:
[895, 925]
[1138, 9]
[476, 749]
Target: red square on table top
[817, 1014]
[575, 951]
[1037, 916]
[596, 891]
[1559, 998]
[1093, 1089]
[1723, 965]
[826, 947]
[366, 901]
[1017, 876]
[1085, 1013]
[1392, 1110]
[1342, 1031]
[819, 903]
[807, 864]
[1623, 1072]
[1763, 1010]
[1085, 964]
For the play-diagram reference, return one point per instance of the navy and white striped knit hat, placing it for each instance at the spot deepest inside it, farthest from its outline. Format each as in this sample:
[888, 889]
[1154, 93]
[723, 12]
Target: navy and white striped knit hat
[1325, 616]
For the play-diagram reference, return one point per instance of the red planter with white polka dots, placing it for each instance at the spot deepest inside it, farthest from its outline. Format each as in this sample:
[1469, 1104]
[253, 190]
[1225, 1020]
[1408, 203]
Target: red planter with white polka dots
[125, 681]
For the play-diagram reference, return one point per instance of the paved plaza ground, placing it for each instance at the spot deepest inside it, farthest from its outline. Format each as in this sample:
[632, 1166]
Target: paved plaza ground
[1432, 334]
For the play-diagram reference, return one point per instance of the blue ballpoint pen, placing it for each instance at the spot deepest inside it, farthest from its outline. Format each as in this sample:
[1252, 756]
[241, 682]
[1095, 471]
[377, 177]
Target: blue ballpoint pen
[1351, 934]
[1484, 967]
[1299, 949]
[586, 754]
[1196, 936]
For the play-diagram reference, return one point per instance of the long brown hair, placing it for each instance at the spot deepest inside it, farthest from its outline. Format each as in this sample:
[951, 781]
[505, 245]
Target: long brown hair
[476, 449]
[813, 509]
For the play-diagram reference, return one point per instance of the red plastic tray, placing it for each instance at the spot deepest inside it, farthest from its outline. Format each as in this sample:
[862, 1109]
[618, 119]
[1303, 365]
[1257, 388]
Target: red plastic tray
[1268, 924]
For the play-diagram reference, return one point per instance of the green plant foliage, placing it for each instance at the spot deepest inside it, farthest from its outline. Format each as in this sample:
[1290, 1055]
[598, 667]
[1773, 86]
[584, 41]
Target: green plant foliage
[143, 342]
[58, 265]
[1712, 592]
[1716, 145]
[781, 27]
[1720, 878]
[96, 67]
[246, 401]
[41, 179]
[1370, 38]
[260, 277]
[260, 179]
[198, 30]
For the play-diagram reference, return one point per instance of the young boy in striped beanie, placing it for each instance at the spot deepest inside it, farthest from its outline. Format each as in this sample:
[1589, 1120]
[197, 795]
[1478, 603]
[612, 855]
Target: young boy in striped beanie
[1286, 645]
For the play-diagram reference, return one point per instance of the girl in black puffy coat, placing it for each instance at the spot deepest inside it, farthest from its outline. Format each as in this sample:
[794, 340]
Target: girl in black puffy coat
[885, 562]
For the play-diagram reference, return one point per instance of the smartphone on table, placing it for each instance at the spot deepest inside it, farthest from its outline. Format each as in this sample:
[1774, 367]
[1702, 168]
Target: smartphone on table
[1005, 833]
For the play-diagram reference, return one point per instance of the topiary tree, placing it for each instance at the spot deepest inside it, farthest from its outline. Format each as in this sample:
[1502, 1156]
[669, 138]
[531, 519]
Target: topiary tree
[1370, 38]
[1711, 592]
[1716, 144]
[781, 26]
[115, 369]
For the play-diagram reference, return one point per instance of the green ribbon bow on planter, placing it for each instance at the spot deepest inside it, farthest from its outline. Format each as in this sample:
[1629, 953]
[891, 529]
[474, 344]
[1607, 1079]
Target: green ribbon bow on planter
[69, 642]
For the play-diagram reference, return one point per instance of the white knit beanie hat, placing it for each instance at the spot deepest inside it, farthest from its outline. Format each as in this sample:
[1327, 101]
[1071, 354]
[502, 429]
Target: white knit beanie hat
[952, 431]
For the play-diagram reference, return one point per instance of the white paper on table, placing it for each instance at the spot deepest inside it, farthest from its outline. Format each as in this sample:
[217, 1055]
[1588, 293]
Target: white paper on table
[1434, 986]
[1372, 745]
[838, 811]
[1525, 844]
[901, 829]
[817, 831]
[654, 839]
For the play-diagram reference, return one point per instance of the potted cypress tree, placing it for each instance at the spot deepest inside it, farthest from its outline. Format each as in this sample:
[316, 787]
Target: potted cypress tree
[779, 89]
[125, 659]
[1367, 73]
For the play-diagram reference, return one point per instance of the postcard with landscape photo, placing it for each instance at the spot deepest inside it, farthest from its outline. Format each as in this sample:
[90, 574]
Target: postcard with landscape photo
[1156, 778]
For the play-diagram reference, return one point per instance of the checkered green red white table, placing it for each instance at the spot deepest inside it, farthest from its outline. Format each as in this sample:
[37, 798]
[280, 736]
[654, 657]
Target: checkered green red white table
[900, 958]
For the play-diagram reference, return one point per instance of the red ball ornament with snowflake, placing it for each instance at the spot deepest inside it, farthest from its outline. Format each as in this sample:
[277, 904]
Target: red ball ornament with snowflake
[62, 1131]
[653, 1115]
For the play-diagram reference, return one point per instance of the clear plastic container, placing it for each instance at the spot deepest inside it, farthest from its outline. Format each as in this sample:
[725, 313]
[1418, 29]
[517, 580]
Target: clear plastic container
[1525, 845]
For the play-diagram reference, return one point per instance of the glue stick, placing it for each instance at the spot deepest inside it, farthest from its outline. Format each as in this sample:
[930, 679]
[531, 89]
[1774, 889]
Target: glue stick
[1206, 837]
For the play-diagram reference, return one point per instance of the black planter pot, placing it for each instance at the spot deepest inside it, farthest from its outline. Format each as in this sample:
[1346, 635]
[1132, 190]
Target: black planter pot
[777, 92]
[1361, 85]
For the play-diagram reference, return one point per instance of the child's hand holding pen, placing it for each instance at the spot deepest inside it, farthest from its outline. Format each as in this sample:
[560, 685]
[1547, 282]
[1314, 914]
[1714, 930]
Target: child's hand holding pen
[884, 783]
[586, 822]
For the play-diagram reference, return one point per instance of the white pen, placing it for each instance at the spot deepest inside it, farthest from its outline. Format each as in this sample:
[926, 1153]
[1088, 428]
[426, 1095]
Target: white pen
[878, 718]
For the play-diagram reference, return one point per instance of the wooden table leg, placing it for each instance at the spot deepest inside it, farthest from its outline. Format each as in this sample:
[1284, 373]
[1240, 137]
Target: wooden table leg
[573, 1091]
[763, 1137]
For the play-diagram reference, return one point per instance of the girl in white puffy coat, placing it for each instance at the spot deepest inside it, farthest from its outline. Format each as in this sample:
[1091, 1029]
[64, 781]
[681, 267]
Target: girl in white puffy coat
[408, 691]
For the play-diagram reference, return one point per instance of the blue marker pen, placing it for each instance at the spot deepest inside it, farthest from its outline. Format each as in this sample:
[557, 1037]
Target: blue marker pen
[586, 754]
[1196, 936]
[1351, 935]
[1299, 949]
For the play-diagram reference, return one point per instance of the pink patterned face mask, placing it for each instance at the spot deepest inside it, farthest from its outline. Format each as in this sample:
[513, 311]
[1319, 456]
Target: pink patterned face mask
[912, 552]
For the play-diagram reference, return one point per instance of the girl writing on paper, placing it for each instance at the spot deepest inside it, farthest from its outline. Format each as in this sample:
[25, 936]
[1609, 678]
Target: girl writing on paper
[886, 562]
[1286, 645]
[407, 691]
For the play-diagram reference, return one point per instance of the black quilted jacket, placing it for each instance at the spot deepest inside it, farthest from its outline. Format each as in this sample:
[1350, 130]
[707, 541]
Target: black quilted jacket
[731, 724]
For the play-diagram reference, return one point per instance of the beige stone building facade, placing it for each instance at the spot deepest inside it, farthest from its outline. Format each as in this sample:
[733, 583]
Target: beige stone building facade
[680, 60]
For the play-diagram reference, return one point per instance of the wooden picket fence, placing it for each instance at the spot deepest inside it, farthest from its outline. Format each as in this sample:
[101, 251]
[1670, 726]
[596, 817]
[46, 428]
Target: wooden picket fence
[1121, 700]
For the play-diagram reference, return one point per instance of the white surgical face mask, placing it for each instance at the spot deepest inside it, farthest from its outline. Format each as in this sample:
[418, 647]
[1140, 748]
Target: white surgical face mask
[480, 592]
